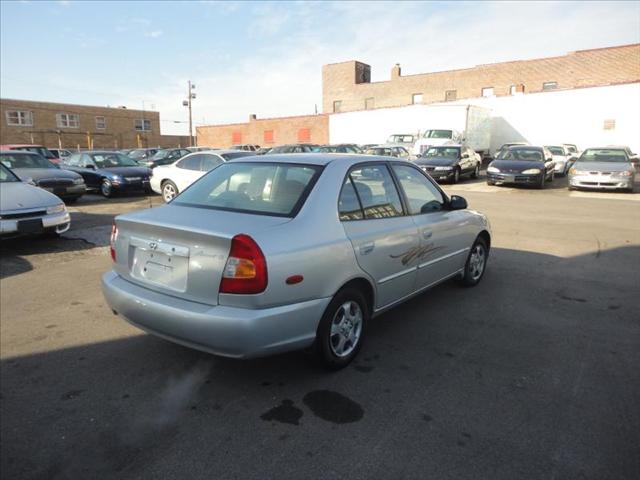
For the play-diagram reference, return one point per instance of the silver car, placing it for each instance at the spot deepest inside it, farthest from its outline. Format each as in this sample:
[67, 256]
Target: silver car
[608, 168]
[27, 209]
[283, 252]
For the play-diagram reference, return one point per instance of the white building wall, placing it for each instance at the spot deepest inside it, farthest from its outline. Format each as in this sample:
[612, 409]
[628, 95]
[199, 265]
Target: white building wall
[565, 116]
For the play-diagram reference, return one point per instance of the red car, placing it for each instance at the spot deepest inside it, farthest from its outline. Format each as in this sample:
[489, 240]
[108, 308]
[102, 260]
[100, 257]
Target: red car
[45, 152]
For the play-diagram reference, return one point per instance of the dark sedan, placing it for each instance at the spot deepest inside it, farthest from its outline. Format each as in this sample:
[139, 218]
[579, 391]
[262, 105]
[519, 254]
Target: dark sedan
[67, 185]
[140, 154]
[522, 165]
[450, 162]
[109, 172]
[295, 148]
[164, 157]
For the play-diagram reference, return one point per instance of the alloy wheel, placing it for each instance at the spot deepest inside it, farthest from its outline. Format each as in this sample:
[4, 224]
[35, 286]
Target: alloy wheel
[477, 261]
[168, 192]
[346, 329]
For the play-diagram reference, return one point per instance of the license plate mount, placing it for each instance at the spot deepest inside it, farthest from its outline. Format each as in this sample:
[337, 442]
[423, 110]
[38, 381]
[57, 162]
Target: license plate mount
[30, 226]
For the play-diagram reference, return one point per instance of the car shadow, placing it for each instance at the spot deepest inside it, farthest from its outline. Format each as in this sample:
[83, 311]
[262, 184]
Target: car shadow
[93, 199]
[453, 358]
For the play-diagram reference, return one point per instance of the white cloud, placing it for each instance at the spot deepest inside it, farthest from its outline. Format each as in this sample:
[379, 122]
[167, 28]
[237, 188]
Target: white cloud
[154, 34]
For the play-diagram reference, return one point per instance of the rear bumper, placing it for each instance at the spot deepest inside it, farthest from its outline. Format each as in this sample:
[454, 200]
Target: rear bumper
[517, 178]
[61, 222]
[221, 330]
[600, 182]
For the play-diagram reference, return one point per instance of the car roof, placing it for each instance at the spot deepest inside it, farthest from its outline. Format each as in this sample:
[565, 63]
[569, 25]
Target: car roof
[321, 159]
[528, 147]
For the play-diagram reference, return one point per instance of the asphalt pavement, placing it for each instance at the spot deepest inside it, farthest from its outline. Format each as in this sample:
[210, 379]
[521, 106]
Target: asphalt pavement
[533, 374]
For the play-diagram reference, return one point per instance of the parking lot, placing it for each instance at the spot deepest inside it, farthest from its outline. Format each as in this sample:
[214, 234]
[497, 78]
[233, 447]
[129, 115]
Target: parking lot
[532, 374]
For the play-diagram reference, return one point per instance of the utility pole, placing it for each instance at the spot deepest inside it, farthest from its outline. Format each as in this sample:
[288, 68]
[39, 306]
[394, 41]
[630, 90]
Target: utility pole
[187, 103]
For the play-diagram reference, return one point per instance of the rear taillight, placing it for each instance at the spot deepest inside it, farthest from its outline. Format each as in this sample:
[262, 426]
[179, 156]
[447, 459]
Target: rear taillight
[246, 268]
[112, 242]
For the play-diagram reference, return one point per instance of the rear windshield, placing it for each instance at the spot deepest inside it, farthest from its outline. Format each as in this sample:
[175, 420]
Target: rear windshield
[277, 189]
[556, 150]
[234, 155]
[41, 150]
[25, 160]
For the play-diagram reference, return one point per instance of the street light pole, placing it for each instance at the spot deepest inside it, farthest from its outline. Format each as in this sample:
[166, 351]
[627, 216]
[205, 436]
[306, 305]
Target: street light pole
[187, 103]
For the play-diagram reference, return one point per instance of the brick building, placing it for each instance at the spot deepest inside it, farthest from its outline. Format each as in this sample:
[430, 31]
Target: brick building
[71, 126]
[347, 86]
[267, 132]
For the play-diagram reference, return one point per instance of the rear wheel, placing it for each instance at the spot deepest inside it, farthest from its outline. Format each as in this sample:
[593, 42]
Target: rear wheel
[476, 263]
[341, 330]
[106, 189]
[169, 191]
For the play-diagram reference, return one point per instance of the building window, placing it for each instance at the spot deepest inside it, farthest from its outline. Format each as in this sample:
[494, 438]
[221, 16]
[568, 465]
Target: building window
[416, 98]
[304, 135]
[236, 138]
[268, 136]
[142, 125]
[450, 95]
[549, 86]
[487, 92]
[67, 120]
[369, 103]
[19, 118]
[337, 106]
[609, 124]
[513, 90]
[101, 123]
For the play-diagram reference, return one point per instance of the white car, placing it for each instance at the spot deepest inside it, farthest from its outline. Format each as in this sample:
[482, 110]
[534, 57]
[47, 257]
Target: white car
[169, 180]
[561, 156]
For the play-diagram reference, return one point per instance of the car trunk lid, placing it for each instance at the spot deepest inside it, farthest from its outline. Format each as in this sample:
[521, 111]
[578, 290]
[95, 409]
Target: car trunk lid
[182, 251]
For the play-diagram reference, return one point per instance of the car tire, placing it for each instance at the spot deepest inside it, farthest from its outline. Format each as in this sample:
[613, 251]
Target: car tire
[70, 200]
[50, 233]
[489, 182]
[341, 329]
[476, 172]
[169, 191]
[543, 180]
[456, 175]
[106, 188]
[476, 263]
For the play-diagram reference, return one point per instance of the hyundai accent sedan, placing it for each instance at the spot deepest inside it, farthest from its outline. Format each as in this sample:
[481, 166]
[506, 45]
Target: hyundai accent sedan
[284, 252]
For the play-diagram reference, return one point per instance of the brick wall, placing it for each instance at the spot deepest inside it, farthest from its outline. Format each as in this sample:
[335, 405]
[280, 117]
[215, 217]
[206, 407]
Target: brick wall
[267, 132]
[343, 82]
[119, 127]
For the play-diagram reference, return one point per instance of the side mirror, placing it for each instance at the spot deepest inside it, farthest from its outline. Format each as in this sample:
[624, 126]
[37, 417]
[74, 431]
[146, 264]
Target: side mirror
[29, 181]
[90, 166]
[457, 202]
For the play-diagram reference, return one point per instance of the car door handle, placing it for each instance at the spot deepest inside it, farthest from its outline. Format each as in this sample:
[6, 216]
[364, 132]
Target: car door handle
[426, 234]
[366, 248]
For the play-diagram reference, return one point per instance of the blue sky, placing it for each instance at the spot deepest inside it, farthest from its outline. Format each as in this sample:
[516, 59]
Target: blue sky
[266, 57]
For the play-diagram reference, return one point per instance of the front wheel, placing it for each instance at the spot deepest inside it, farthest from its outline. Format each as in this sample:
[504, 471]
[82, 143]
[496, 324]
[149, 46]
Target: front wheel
[543, 179]
[169, 191]
[341, 330]
[476, 263]
[476, 172]
[106, 189]
[456, 175]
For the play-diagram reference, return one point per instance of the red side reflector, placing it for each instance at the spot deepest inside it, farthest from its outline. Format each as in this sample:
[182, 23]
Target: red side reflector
[293, 279]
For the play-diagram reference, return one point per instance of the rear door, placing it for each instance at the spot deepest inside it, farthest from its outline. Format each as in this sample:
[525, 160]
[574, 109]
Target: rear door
[383, 237]
[444, 237]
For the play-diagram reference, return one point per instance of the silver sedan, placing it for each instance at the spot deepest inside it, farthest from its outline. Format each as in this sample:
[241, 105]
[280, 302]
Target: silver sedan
[607, 168]
[285, 252]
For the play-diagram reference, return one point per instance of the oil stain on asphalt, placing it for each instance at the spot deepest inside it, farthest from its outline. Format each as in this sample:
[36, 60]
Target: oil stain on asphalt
[333, 407]
[285, 413]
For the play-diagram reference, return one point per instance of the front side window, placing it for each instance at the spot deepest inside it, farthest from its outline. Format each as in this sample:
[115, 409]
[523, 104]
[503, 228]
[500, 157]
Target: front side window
[6, 175]
[209, 162]
[25, 160]
[375, 191]
[421, 194]
[109, 159]
[142, 125]
[277, 189]
[74, 160]
[19, 118]
[67, 120]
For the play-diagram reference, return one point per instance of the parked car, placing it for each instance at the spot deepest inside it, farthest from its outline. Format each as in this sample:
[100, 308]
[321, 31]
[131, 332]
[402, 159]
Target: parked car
[341, 148]
[506, 146]
[522, 165]
[277, 253]
[249, 148]
[109, 172]
[45, 152]
[169, 180]
[60, 152]
[572, 149]
[126, 151]
[607, 168]
[164, 157]
[450, 163]
[398, 152]
[295, 148]
[27, 209]
[561, 157]
[367, 146]
[67, 185]
[406, 140]
[200, 149]
[263, 150]
[141, 154]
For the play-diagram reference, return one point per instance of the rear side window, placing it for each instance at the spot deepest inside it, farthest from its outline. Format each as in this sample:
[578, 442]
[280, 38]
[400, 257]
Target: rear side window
[374, 191]
[277, 189]
[191, 162]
